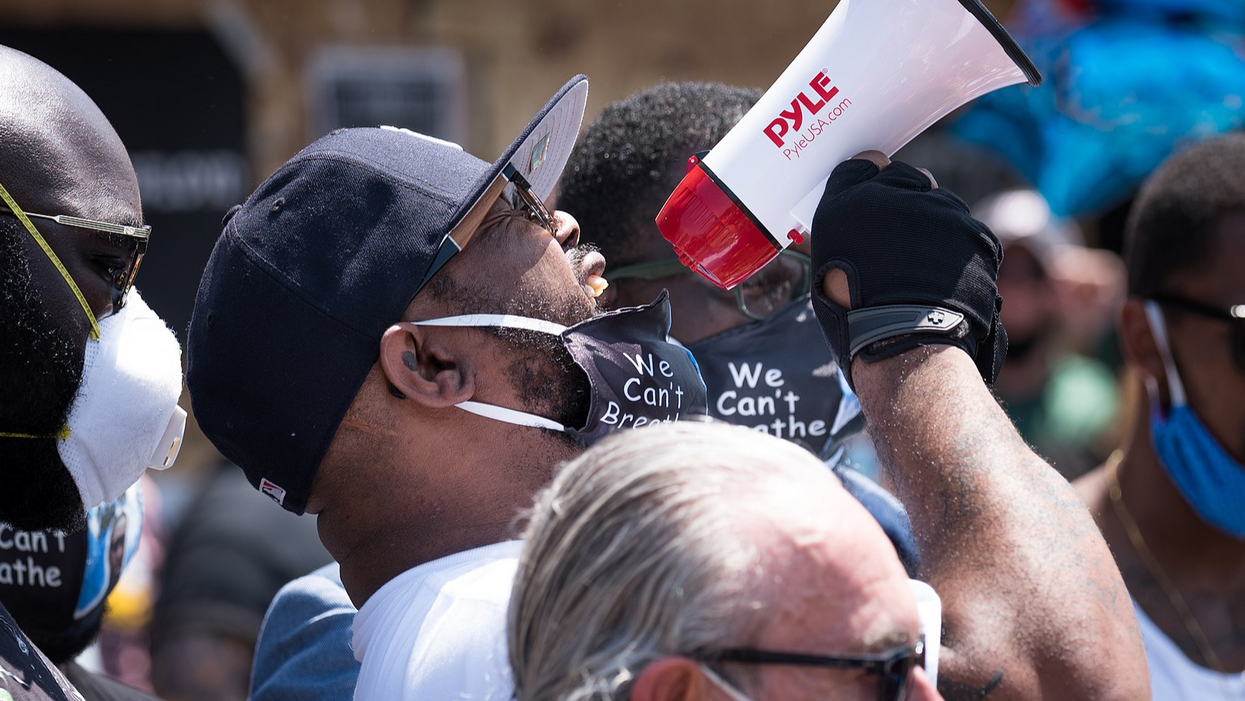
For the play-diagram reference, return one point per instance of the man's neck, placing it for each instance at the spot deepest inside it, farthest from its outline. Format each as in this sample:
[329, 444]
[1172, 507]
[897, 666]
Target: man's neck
[378, 560]
[1205, 567]
[1185, 545]
[430, 502]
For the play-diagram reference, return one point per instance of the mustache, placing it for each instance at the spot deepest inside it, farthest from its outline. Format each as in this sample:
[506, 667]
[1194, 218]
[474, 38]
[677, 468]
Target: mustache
[576, 256]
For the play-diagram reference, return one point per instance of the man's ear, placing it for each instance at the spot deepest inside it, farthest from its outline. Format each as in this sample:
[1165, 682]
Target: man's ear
[670, 679]
[424, 369]
[1138, 344]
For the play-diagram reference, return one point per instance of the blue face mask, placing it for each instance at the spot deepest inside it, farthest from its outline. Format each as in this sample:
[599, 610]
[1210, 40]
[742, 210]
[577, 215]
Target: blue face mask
[1207, 476]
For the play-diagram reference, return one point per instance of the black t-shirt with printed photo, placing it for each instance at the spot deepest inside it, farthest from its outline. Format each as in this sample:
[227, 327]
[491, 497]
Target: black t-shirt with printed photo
[25, 674]
[97, 687]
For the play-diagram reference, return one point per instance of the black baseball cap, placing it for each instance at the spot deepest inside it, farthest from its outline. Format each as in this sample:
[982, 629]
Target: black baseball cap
[323, 257]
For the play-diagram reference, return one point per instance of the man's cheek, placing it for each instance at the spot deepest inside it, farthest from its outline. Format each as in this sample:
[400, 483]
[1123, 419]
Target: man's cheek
[1225, 418]
[558, 269]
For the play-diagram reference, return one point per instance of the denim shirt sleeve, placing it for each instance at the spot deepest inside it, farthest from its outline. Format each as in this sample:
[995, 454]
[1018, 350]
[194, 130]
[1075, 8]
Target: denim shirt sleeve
[303, 652]
[888, 511]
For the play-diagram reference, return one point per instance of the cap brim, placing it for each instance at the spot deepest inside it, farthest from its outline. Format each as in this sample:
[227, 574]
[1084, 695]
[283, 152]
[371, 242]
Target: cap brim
[539, 153]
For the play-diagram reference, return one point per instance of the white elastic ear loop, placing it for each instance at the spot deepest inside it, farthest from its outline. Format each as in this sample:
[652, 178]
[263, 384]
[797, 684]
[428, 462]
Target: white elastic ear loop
[510, 321]
[510, 416]
[724, 685]
[1154, 313]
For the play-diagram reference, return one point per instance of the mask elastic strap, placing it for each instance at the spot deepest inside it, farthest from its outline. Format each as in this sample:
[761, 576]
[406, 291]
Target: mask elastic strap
[47, 250]
[60, 435]
[492, 411]
[509, 321]
[1154, 314]
[510, 416]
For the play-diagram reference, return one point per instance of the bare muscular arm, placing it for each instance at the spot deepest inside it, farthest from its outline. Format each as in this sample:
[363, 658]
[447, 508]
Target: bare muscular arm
[1034, 606]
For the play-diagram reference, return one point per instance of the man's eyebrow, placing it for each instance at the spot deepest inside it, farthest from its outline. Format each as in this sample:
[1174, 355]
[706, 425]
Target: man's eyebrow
[116, 240]
[124, 219]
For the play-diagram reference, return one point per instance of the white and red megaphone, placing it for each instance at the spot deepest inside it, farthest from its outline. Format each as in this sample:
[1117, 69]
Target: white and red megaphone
[876, 74]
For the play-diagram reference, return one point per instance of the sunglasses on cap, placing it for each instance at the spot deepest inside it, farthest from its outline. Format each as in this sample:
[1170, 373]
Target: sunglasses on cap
[121, 277]
[783, 280]
[893, 667]
[1233, 315]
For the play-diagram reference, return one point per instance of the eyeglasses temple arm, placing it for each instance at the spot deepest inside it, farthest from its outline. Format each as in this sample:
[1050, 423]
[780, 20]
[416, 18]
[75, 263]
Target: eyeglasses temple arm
[789, 658]
[56, 261]
[138, 232]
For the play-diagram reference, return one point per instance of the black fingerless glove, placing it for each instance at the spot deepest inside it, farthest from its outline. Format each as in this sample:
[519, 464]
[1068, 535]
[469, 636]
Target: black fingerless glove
[920, 269]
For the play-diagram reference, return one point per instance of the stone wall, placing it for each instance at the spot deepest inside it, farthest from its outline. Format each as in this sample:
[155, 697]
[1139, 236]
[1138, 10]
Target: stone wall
[516, 51]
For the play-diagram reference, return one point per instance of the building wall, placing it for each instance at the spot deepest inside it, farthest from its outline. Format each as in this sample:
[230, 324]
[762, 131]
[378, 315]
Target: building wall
[517, 51]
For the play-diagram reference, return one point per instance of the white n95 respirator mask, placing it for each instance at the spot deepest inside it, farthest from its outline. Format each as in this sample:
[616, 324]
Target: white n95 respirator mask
[125, 417]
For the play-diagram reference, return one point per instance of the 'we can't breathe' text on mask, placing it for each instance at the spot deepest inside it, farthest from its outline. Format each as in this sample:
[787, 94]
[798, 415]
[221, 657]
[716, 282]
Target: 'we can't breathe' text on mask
[636, 374]
[56, 583]
[777, 377]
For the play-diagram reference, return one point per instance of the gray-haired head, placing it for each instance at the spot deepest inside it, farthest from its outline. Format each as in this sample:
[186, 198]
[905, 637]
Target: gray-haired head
[653, 543]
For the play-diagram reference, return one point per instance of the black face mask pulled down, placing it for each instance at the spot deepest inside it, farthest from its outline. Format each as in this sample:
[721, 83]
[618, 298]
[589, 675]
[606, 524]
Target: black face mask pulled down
[636, 375]
[777, 376]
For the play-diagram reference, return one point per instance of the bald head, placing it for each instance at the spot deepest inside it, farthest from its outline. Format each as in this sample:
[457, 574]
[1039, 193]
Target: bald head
[58, 152]
[60, 155]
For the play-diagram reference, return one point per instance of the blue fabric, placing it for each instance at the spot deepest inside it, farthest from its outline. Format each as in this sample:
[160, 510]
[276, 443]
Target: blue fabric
[1115, 104]
[1210, 480]
[303, 652]
[1227, 10]
[887, 511]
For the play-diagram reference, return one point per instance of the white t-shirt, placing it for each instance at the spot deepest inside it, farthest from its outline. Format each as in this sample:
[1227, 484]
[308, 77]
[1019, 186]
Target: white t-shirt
[437, 632]
[1174, 677]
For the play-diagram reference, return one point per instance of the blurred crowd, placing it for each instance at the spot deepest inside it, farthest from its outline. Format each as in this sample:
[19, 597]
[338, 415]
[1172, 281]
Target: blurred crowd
[382, 345]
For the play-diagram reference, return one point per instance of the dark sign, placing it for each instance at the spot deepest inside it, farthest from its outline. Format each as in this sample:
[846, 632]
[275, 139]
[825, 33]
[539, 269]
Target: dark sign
[176, 99]
[421, 89]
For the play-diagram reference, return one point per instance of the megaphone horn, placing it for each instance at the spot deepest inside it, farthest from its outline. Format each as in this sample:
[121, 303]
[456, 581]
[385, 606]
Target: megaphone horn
[875, 75]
